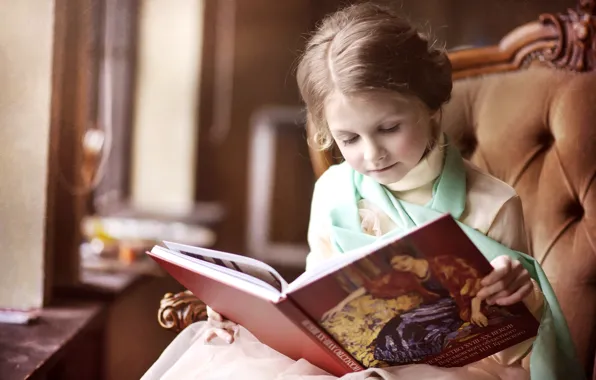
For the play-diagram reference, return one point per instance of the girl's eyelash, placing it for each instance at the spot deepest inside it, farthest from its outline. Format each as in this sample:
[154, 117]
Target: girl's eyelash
[391, 129]
[350, 141]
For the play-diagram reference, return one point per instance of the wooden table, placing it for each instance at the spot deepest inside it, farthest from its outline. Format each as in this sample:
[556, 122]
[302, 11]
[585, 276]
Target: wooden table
[65, 342]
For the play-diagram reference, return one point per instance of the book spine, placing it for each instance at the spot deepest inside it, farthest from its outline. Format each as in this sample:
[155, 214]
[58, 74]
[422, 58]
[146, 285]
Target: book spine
[332, 346]
[341, 356]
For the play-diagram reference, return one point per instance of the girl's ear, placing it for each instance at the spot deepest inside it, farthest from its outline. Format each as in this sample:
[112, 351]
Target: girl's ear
[435, 120]
[436, 116]
[435, 129]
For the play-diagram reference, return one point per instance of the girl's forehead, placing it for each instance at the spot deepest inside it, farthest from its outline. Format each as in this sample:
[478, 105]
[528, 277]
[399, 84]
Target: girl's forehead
[371, 108]
[373, 97]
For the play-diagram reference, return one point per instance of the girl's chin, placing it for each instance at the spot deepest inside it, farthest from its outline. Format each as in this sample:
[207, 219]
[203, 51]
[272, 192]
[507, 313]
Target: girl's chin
[388, 177]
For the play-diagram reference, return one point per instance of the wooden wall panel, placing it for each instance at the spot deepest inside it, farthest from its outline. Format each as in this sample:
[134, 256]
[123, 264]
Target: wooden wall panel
[470, 22]
[116, 100]
[249, 58]
[292, 188]
[74, 89]
[267, 36]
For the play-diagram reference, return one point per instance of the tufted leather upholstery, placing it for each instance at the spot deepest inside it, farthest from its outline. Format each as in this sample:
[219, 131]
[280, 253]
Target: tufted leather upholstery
[536, 130]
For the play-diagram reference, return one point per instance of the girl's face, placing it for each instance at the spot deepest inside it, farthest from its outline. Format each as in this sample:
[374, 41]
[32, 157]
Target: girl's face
[381, 135]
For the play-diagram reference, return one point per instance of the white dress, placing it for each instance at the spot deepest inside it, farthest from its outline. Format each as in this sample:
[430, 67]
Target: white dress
[492, 207]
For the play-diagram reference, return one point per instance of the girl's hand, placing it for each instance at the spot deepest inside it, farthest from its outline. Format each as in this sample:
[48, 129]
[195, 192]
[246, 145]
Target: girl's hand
[507, 284]
[220, 327]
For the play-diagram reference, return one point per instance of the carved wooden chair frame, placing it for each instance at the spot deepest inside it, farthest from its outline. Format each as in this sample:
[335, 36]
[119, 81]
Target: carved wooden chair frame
[565, 41]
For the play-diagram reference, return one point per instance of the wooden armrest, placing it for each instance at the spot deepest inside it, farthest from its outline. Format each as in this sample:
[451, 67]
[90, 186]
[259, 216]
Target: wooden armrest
[177, 311]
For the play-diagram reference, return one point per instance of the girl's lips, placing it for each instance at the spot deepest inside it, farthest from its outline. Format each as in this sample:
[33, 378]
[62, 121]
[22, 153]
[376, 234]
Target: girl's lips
[382, 170]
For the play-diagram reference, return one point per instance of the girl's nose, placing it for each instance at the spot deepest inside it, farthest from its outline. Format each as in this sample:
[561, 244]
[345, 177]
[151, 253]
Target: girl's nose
[373, 152]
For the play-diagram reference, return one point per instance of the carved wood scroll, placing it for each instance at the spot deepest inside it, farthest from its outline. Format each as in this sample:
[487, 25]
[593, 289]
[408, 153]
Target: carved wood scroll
[178, 311]
[576, 46]
[562, 41]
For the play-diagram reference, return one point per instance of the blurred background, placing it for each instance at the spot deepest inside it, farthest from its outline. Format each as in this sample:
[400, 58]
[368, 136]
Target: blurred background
[169, 120]
[200, 113]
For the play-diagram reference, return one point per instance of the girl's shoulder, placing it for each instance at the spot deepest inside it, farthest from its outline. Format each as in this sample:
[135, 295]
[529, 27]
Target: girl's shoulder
[335, 171]
[486, 184]
[487, 198]
[334, 178]
[332, 187]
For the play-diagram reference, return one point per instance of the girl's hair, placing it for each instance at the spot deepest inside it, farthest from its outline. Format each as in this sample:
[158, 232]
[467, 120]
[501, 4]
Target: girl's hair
[368, 47]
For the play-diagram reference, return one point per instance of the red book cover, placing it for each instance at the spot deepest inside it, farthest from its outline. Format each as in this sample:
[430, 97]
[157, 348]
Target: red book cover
[280, 325]
[413, 301]
[410, 300]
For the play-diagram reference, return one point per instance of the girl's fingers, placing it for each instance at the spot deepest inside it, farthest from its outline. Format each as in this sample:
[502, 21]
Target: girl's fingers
[518, 296]
[522, 278]
[502, 266]
[496, 287]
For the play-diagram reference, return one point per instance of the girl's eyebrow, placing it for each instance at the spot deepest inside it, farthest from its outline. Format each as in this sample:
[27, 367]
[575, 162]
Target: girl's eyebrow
[341, 131]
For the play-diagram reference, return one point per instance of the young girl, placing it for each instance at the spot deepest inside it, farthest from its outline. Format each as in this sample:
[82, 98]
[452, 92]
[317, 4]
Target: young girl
[373, 86]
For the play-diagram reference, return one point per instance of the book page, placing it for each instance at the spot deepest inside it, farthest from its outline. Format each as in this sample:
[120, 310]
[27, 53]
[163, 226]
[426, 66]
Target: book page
[224, 275]
[230, 263]
[332, 265]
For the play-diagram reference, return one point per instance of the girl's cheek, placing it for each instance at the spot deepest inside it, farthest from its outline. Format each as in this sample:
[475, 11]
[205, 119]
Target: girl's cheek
[351, 157]
[400, 145]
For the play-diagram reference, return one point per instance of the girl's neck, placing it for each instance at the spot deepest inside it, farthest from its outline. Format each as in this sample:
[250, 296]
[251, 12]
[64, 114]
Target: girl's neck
[416, 186]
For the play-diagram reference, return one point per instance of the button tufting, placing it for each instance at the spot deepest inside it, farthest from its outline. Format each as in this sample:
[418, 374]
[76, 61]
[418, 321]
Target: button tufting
[468, 145]
[575, 210]
[546, 139]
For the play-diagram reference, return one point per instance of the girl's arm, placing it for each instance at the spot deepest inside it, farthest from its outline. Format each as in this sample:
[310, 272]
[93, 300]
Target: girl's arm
[319, 242]
[508, 228]
[319, 234]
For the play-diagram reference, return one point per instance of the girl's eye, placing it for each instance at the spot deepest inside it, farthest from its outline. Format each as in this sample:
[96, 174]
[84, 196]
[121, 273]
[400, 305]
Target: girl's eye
[394, 128]
[350, 140]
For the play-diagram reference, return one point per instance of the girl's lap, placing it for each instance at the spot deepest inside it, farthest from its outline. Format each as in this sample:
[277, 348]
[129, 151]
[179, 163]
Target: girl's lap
[188, 357]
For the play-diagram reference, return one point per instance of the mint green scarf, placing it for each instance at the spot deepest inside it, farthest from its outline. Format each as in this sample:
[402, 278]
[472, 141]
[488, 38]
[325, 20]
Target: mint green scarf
[553, 352]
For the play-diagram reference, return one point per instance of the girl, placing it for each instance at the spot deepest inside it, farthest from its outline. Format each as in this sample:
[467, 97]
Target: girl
[373, 86]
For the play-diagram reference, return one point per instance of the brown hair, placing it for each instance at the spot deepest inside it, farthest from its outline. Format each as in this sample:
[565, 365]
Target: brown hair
[366, 47]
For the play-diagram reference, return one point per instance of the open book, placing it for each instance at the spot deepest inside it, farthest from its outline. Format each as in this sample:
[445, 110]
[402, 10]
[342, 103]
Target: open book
[402, 301]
